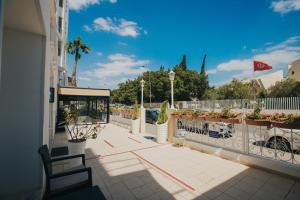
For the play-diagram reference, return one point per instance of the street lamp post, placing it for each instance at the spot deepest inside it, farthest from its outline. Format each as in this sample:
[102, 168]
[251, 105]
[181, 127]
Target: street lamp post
[142, 110]
[172, 77]
[142, 98]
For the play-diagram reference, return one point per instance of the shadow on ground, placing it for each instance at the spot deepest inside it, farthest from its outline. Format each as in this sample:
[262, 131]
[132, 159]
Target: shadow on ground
[117, 181]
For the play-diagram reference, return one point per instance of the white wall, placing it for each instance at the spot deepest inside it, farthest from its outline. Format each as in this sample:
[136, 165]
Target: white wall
[1, 31]
[22, 110]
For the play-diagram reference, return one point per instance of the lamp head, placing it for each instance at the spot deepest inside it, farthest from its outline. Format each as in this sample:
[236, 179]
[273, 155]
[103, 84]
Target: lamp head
[172, 75]
[142, 82]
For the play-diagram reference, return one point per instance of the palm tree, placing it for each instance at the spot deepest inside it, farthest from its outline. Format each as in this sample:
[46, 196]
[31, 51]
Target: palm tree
[75, 47]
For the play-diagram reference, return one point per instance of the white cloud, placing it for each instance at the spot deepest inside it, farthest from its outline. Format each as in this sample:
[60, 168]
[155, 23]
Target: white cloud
[99, 53]
[123, 44]
[77, 5]
[120, 27]
[87, 28]
[285, 6]
[284, 44]
[119, 67]
[278, 56]
[234, 65]
[80, 4]
[81, 78]
[211, 71]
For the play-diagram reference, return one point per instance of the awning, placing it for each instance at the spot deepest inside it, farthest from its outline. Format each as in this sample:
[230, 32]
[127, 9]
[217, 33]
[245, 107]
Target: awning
[83, 91]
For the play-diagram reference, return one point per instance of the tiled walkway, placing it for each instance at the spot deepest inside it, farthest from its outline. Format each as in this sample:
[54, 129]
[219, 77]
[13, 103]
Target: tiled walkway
[127, 166]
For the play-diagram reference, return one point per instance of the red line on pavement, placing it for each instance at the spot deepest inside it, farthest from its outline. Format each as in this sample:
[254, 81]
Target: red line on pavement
[102, 156]
[135, 140]
[165, 172]
[112, 146]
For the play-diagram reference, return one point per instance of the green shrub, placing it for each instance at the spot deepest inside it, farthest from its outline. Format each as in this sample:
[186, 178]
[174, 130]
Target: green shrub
[135, 114]
[163, 116]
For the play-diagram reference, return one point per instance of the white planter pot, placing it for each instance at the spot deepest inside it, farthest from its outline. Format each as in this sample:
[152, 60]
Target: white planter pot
[162, 133]
[67, 132]
[74, 149]
[135, 126]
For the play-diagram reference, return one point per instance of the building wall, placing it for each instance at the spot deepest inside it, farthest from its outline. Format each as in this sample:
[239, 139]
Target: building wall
[21, 115]
[24, 102]
[294, 70]
[1, 31]
[268, 80]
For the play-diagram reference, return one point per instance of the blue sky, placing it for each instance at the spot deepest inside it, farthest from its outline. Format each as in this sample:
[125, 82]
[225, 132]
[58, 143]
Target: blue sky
[125, 35]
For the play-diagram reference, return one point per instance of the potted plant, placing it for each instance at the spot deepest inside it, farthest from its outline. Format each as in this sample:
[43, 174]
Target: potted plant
[162, 124]
[288, 121]
[135, 121]
[227, 116]
[213, 117]
[77, 132]
[257, 118]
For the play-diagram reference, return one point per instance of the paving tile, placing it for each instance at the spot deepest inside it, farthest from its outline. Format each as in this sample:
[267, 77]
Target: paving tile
[122, 175]
[237, 193]
[225, 196]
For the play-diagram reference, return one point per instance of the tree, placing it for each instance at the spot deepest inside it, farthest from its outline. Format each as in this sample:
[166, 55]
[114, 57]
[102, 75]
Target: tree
[237, 89]
[183, 64]
[286, 88]
[203, 84]
[75, 48]
[186, 85]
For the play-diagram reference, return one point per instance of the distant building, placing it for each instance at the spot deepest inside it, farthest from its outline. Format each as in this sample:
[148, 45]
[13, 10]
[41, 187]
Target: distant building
[294, 70]
[267, 80]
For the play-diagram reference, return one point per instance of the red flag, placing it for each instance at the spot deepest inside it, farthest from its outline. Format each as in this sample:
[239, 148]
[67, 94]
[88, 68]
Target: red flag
[260, 66]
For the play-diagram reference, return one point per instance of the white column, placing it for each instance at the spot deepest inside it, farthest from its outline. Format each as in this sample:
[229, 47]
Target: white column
[142, 110]
[172, 96]
[143, 120]
[142, 100]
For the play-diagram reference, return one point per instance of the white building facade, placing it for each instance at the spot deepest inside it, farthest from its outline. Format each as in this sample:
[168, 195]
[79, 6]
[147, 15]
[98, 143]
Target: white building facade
[294, 70]
[30, 67]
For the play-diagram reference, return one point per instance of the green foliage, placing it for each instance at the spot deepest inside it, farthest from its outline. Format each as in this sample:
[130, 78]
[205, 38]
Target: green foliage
[135, 114]
[236, 89]
[163, 116]
[256, 113]
[183, 64]
[79, 132]
[188, 84]
[71, 115]
[203, 84]
[286, 88]
[75, 48]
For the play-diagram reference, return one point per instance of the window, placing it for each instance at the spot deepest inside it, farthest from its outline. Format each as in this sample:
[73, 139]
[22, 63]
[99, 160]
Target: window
[293, 72]
[61, 3]
[59, 48]
[59, 24]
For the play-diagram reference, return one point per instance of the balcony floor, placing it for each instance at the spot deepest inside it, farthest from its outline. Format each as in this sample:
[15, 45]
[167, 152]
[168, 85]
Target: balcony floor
[127, 166]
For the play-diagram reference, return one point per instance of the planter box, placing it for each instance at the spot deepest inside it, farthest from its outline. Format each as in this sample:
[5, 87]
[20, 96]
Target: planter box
[295, 125]
[258, 122]
[162, 132]
[231, 120]
[135, 126]
[212, 119]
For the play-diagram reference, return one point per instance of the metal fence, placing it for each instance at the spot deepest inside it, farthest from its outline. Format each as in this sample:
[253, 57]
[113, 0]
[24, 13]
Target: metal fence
[284, 103]
[273, 143]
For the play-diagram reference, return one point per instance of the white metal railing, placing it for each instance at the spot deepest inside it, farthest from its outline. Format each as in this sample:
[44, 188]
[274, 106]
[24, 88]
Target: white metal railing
[120, 120]
[273, 143]
[283, 103]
